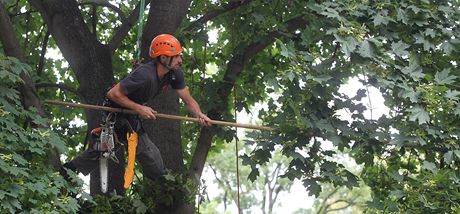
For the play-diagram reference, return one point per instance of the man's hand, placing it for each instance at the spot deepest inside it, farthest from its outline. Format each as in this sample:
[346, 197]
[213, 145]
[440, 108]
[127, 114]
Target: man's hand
[204, 120]
[146, 112]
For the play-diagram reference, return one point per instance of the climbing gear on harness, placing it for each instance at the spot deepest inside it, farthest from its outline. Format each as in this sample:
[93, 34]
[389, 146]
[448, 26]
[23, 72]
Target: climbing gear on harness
[104, 142]
[103, 138]
[129, 171]
[165, 44]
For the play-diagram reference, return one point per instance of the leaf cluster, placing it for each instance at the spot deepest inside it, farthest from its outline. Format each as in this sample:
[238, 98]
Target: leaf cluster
[28, 182]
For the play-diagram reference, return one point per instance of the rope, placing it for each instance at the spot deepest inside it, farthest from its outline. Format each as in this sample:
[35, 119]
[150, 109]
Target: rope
[236, 129]
[205, 49]
[139, 30]
[202, 85]
[236, 152]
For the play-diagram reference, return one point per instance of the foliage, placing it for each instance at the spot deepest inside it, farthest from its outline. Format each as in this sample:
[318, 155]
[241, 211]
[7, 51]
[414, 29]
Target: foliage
[114, 204]
[408, 51]
[145, 196]
[28, 183]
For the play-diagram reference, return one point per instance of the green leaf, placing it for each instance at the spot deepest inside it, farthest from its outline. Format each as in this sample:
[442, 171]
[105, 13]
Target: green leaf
[140, 206]
[420, 39]
[447, 47]
[457, 110]
[457, 153]
[319, 79]
[443, 77]
[286, 49]
[258, 17]
[409, 92]
[331, 13]
[414, 70]
[349, 44]
[401, 16]
[400, 48]
[253, 175]
[19, 159]
[430, 32]
[329, 166]
[398, 194]
[382, 18]
[367, 49]
[313, 187]
[169, 177]
[352, 180]
[452, 95]
[448, 157]
[430, 166]
[396, 176]
[325, 126]
[419, 114]
[262, 155]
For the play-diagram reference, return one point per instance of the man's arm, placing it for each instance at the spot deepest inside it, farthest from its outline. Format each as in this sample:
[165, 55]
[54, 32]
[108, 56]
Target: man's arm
[117, 95]
[193, 106]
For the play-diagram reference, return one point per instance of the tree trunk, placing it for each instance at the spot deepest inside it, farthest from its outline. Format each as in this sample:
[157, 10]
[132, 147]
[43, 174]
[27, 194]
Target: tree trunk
[91, 62]
[165, 16]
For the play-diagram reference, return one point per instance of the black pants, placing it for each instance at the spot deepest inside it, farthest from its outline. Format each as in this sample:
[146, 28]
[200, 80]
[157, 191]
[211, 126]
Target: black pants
[147, 154]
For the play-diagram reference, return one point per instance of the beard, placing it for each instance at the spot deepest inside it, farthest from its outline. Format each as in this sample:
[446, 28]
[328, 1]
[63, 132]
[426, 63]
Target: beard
[176, 67]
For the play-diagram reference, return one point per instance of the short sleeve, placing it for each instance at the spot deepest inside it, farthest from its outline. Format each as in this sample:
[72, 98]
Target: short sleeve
[135, 80]
[178, 81]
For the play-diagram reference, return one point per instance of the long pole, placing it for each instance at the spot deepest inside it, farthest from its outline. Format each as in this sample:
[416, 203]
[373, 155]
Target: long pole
[167, 116]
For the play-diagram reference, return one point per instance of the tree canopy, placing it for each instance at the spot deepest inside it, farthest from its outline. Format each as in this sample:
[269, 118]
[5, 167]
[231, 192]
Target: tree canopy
[293, 56]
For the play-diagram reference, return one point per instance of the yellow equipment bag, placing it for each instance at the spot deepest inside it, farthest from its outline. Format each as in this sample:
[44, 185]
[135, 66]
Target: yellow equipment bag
[132, 144]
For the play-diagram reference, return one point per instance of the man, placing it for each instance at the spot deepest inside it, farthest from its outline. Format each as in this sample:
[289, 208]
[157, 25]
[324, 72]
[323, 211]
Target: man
[148, 80]
[141, 85]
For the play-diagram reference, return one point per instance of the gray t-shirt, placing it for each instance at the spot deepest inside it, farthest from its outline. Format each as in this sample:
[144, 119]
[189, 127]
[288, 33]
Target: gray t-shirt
[143, 82]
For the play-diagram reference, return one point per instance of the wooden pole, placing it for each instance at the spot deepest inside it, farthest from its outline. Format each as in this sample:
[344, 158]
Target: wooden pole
[167, 116]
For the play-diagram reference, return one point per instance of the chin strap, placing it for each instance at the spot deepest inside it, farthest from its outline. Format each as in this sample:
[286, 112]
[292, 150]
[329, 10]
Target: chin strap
[168, 66]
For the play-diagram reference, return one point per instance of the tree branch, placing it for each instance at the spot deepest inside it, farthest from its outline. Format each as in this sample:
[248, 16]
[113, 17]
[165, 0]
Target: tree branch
[124, 28]
[235, 66]
[57, 85]
[349, 203]
[274, 176]
[105, 4]
[41, 62]
[233, 4]
[323, 204]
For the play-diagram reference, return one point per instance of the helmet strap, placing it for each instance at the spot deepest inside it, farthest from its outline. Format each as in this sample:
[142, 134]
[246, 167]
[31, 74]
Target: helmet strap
[170, 61]
[168, 66]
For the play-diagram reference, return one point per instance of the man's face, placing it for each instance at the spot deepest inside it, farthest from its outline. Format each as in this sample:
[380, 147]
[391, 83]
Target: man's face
[176, 62]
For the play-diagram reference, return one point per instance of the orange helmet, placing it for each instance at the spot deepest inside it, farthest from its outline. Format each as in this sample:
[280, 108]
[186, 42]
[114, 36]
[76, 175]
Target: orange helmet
[165, 44]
